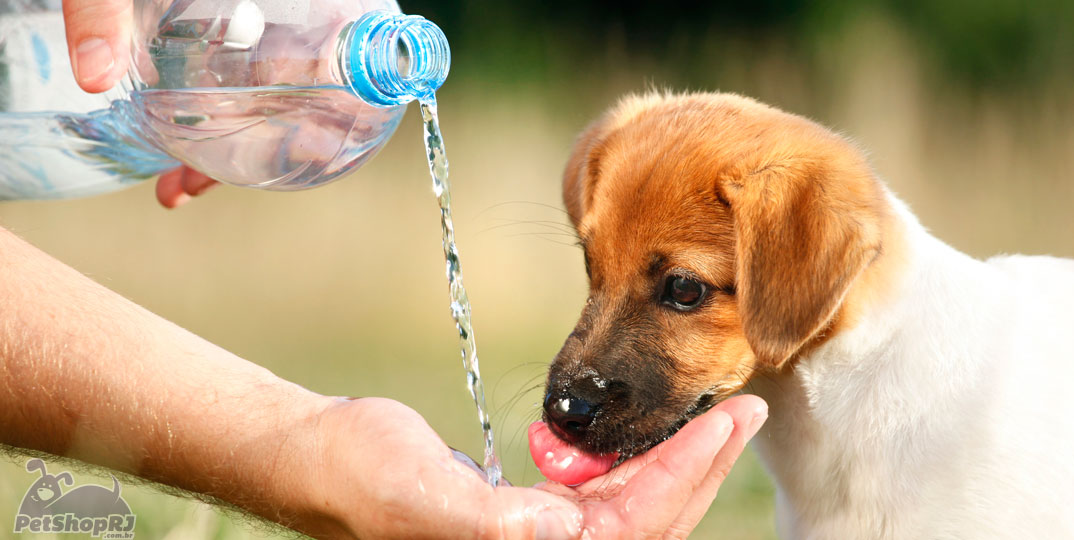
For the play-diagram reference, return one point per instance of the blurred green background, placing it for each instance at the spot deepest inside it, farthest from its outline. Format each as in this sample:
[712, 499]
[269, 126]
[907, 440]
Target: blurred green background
[965, 108]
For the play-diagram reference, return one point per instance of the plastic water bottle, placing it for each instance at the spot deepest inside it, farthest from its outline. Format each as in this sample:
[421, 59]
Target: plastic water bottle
[272, 94]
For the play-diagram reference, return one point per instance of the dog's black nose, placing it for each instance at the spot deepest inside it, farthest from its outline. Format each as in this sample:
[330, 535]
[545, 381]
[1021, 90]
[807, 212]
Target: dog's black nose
[573, 403]
[570, 414]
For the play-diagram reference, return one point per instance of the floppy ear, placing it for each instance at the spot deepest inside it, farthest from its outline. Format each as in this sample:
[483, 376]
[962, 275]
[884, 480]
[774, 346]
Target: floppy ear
[581, 166]
[805, 231]
[36, 464]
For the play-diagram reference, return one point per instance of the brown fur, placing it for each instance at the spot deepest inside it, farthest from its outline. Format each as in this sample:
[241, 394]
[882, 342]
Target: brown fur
[777, 215]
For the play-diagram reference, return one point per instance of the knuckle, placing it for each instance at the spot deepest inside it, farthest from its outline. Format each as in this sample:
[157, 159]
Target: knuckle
[95, 17]
[95, 8]
[490, 524]
[676, 532]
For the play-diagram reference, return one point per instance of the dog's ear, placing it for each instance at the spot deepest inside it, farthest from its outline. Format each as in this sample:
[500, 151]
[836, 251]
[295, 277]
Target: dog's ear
[581, 168]
[36, 464]
[804, 231]
[65, 478]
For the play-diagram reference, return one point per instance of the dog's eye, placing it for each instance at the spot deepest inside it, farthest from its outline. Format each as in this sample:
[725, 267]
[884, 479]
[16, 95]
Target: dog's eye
[683, 293]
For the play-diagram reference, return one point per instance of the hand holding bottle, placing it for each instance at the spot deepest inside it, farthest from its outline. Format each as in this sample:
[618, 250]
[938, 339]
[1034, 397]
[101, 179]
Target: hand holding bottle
[279, 95]
[98, 38]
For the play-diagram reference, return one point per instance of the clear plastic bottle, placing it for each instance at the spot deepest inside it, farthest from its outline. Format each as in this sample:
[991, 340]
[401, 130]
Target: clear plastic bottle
[273, 94]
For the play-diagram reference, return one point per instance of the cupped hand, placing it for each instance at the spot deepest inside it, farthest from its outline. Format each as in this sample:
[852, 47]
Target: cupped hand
[380, 471]
[98, 40]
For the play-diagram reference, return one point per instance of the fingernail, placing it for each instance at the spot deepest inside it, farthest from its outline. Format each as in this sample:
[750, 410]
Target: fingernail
[755, 424]
[93, 60]
[178, 201]
[556, 524]
[727, 424]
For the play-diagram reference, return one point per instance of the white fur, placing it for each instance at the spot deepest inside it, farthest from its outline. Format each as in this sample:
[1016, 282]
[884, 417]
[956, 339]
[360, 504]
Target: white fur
[946, 412]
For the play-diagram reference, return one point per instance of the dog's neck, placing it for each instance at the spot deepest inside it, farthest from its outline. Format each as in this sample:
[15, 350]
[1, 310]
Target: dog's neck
[865, 402]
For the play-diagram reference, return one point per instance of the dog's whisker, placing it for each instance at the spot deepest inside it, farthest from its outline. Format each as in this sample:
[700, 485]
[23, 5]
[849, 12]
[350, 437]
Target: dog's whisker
[558, 225]
[563, 229]
[526, 365]
[518, 436]
[545, 237]
[505, 412]
[528, 382]
[543, 233]
[506, 409]
[558, 209]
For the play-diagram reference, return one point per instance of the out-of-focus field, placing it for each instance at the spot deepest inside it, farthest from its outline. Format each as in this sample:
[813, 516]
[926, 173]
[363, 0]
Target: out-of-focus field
[342, 289]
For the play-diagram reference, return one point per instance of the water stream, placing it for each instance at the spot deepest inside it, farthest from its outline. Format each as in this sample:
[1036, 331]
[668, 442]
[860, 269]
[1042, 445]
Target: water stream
[460, 304]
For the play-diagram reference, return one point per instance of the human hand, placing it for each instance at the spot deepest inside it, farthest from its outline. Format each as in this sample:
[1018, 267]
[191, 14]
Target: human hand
[177, 186]
[98, 40]
[381, 472]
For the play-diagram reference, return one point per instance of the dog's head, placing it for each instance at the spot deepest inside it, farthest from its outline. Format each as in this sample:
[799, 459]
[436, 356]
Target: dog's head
[721, 237]
[47, 488]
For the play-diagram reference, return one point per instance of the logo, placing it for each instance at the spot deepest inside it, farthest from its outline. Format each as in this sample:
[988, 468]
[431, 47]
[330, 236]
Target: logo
[90, 509]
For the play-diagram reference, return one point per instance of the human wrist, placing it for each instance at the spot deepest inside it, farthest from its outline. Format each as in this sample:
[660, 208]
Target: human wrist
[249, 446]
[315, 504]
[296, 497]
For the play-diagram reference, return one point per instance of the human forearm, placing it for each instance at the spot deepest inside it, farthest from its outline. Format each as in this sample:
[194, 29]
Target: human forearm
[87, 374]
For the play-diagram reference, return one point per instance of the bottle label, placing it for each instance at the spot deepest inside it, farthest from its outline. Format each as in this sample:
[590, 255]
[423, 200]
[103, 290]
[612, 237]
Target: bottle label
[33, 49]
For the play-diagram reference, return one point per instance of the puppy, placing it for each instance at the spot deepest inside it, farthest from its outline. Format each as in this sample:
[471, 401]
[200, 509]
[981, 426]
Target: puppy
[914, 391]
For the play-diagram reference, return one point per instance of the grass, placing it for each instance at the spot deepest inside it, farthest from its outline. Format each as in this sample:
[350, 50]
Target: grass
[341, 289]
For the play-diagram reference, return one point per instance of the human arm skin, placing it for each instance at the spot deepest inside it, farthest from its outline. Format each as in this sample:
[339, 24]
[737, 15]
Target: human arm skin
[86, 374]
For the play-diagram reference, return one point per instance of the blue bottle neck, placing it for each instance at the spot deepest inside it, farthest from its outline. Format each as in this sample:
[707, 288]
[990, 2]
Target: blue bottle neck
[392, 59]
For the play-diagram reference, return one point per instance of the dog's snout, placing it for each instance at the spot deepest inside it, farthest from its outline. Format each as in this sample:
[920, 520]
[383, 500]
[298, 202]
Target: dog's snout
[572, 415]
[571, 408]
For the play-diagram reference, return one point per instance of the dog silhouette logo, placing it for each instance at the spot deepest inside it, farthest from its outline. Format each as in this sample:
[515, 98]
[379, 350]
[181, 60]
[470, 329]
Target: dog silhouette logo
[89, 509]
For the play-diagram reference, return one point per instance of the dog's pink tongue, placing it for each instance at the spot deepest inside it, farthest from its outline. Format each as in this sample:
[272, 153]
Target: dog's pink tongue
[563, 463]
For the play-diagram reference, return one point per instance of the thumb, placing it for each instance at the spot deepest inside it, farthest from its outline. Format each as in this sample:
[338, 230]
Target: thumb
[515, 512]
[98, 39]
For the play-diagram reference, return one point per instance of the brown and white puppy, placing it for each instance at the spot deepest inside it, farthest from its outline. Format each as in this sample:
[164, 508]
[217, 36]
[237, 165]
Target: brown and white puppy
[915, 392]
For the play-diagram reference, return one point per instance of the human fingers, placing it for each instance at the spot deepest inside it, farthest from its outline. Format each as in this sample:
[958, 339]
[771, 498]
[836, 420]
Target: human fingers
[98, 40]
[740, 408]
[170, 192]
[656, 493]
[517, 512]
[749, 413]
[196, 183]
[382, 472]
[176, 187]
